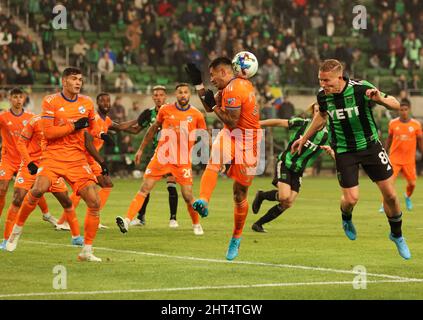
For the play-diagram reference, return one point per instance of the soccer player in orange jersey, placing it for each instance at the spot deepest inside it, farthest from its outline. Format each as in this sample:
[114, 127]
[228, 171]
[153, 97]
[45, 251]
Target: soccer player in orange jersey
[64, 116]
[404, 134]
[30, 145]
[172, 156]
[12, 122]
[235, 105]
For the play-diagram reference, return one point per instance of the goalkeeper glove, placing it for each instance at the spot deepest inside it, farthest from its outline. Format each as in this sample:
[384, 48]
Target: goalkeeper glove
[107, 139]
[81, 123]
[194, 73]
[32, 167]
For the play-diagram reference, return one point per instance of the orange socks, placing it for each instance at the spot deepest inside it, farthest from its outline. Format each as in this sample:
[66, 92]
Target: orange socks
[92, 220]
[194, 215]
[240, 215]
[208, 182]
[42, 203]
[75, 201]
[28, 205]
[12, 214]
[135, 206]
[104, 195]
[70, 216]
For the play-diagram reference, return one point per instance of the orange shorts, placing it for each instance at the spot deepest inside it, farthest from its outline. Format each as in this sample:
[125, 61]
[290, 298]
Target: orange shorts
[408, 171]
[96, 169]
[25, 180]
[156, 171]
[78, 174]
[8, 169]
[240, 152]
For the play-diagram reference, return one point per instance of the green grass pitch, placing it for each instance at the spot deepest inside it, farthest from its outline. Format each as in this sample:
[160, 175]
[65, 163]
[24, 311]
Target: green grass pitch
[304, 255]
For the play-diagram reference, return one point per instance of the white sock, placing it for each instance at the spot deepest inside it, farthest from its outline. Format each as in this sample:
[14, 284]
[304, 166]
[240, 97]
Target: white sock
[88, 247]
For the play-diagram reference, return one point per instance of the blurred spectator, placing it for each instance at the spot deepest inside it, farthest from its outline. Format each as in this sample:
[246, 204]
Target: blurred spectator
[412, 50]
[24, 78]
[47, 36]
[54, 79]
[117, 112]
[79, 51]
[133, 35]
[125, 57]
[401, 84]
[93, 55]
[124, 84]
[109, 52]
[287, 109]
[5, 37]
[48, 64]
[135, 111]
[105, 66]
[165, 9]
[156, 52]
[270, 73]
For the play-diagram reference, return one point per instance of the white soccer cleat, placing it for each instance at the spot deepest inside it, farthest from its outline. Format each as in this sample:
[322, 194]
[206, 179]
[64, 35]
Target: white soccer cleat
[12, 242]
[63, 227]
[123, 224]
[198, 230]
[173, 223]
[49, 218]
[88, 256]
[136, 223]
[102, 226]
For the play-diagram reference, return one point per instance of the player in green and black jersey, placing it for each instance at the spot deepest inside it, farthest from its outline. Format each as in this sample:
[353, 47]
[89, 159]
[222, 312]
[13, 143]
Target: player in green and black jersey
[290, 168]
[348, 105]
[145, 120]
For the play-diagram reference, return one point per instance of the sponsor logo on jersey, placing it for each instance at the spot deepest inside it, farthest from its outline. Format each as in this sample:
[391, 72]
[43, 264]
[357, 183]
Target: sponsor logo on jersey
[20, 180]
[81, 109]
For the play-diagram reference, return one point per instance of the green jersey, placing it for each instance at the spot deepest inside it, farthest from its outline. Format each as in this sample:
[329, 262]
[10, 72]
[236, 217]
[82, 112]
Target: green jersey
[311, 149]
[351, 121]
[146, 119]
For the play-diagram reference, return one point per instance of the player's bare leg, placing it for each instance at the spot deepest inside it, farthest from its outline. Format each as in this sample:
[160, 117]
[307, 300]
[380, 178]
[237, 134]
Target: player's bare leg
[106, 184]
[136, 204]
[41, 186]
[349, 199]
[411, 185]
[195, 218]
[394, 215]
[92, 218]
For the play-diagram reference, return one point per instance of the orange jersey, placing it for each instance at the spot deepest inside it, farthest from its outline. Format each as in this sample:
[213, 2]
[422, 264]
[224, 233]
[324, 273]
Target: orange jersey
[177, 124]
[64, 143]
[11, 126]
[31, 142]
[404, 140]
[239, 94]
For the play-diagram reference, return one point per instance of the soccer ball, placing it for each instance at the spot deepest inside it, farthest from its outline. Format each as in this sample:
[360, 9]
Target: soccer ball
[245, 64]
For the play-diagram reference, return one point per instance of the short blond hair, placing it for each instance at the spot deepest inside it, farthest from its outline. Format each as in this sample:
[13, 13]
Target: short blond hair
[331, 65]
[310, 108]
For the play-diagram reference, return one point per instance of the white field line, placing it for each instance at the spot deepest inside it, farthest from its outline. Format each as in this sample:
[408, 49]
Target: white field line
[246, 286]
[240, 262]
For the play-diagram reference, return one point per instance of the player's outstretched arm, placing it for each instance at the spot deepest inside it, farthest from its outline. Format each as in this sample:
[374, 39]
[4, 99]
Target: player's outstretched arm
[420, 143]
[317, 123]
[22, 146]
[385, 100]
[274, 123]
[388, 142]
[127, 126]
[89, 145]
[149, 135]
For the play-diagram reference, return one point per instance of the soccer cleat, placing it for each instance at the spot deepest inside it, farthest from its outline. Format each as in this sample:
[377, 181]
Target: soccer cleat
[349, 229]
[79, 241]
[233, 248]
[122, 224]
[50, 218]
[173, 223]
[88, 256]
[401, 246]
[136, 223]
[257, 202]
[102, 226]
[381, 209]
[63, 227]
[198, 229]
[408, 203]
[201, 206]
[12, 242]
[258, 228]
[3, 245]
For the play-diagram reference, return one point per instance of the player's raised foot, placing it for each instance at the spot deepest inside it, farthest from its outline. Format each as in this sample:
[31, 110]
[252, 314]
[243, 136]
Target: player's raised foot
[122, 223]
[136, 223]
[258, 228]
[408, 203]
[349, 229]
[49, 218]
[78, 241]
[257, 201]
[12, 242]
[102, 226]
[381, 209]
[3, 245]
[63, 227]
[233, 248]
[201, 206]
[88, 256]
[198, 229]
[401, 246]
[173, 223]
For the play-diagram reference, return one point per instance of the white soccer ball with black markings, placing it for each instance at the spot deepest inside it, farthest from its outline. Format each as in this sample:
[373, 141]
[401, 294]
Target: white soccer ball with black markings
[245, 64]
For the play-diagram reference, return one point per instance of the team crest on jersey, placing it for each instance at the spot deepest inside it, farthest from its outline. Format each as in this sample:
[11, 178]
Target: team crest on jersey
[20, 180]
[189, 118]
[2, 173]
[148, 171]
[24, 122]
[230, 101]
[81, 109]
[411, 129]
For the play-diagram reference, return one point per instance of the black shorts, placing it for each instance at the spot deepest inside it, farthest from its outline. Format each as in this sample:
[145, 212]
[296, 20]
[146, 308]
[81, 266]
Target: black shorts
[285, 175]
[374, 161]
